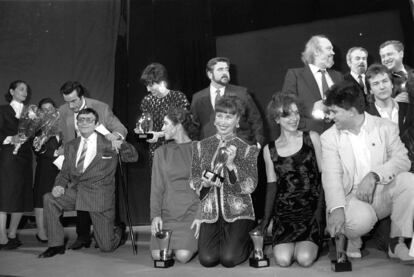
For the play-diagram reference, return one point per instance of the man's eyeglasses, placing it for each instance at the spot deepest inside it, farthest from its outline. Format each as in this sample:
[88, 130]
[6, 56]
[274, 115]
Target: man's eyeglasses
[85, 120]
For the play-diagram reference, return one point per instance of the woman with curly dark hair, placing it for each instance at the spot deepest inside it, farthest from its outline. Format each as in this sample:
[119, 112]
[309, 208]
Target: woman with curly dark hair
[294, 196]
[174, 205]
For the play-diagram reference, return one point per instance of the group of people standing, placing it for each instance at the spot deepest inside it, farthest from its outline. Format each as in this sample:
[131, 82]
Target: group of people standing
[333, 167]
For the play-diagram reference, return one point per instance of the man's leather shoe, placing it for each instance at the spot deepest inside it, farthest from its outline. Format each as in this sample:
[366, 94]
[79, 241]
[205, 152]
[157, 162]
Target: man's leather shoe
[79, 244]
[12, 244]
[401, 253]
[52, 251]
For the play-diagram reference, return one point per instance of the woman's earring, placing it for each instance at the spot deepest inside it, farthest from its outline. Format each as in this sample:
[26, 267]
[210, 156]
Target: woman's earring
[237, 126]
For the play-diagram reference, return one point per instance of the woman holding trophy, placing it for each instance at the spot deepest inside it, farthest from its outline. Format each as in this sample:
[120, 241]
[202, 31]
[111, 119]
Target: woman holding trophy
[157, 102]
[224, 174]
[16, 195]
[294, 197]
[174, 205]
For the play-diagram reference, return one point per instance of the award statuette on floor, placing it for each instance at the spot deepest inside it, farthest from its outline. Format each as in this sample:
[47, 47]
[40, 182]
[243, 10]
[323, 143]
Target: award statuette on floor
[219, 163]
[259, 259]
[144, 126]
[341, 263]
[163, 239]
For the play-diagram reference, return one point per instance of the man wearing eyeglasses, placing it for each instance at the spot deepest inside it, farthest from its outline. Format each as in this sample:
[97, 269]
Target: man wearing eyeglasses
[74, 96]
[87, 183]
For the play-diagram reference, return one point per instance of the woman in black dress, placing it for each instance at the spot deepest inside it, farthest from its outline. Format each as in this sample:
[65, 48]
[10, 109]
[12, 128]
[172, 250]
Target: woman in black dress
[294, 196]
[16, 173]
[46, 171]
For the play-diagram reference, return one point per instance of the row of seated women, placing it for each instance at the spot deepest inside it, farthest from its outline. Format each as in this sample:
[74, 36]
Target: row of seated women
[17, 192]
[214, 215]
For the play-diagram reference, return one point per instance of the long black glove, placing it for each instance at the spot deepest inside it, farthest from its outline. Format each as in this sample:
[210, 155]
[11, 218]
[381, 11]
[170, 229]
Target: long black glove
[271, 190]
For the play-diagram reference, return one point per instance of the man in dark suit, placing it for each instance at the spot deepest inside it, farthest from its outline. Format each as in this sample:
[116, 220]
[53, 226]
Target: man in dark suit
[392, 54]
[74, 96]
[356, 58]
[87, 183]
[379, 82]
[312, 81]
[202, 106]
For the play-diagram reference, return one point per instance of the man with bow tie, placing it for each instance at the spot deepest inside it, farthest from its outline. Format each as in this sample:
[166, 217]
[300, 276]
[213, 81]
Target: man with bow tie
[87, 183]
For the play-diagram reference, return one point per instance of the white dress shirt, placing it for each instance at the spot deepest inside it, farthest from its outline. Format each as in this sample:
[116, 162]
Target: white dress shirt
[213, 94]
[362, 156]
[394, 112]
[90, 152]
[318, 78]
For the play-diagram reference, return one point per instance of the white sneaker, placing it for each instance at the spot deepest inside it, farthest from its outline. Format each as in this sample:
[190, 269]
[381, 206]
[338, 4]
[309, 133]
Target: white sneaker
[401, 254]
[353, 249]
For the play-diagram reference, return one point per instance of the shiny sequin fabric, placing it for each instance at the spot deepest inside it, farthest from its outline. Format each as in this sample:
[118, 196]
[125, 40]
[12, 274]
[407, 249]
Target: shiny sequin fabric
[158, 107]
[235, 201]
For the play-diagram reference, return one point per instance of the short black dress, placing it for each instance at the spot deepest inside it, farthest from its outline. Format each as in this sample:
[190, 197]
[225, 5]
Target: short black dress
[298, 189]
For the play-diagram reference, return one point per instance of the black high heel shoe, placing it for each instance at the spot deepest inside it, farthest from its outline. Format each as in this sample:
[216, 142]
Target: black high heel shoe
[41, 240]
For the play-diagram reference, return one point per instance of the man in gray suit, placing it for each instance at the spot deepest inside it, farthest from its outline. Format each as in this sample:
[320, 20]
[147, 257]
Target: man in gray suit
[74, 95]
[87, 183]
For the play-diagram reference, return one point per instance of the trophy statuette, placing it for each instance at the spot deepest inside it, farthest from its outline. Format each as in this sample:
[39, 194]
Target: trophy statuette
[144, 126]
[259, 259]
[163, 239]
[341, 264]
[219, 164]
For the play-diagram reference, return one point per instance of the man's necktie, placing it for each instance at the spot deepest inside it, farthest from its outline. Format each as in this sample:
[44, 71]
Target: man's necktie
[81, 161]
[218, 97]
[361, 83]
[325, 86]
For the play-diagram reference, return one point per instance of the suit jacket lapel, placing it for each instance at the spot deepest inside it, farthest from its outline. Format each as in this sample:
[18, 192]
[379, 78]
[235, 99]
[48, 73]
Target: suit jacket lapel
[311, 82]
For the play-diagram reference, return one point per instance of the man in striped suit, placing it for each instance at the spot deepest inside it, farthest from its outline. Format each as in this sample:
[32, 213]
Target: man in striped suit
[87, 183]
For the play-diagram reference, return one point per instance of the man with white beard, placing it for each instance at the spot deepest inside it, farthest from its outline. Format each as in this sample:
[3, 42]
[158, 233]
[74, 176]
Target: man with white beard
[311, 82]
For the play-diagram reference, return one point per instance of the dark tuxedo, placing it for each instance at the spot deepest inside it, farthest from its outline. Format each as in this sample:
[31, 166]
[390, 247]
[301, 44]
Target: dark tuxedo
[92, 191]
[368, 98]
[300, 81]
[251, 124]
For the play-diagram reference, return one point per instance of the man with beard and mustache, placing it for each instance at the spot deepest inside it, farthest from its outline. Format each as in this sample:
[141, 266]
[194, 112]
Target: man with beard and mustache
[356, 58]
[203, 103]
[312, 81]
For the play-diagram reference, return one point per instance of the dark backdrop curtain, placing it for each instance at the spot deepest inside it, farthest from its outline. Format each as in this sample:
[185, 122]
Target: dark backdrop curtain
[176, 34]
[49, 42]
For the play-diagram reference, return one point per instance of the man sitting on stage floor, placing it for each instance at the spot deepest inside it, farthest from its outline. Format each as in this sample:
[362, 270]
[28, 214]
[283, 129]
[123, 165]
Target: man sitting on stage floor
[87, 182]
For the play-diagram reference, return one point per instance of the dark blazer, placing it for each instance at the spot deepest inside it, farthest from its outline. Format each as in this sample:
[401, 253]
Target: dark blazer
[106, 118]
[96, 185]
[251, 124]
[368, 98]
[403, 121]
[300, 81]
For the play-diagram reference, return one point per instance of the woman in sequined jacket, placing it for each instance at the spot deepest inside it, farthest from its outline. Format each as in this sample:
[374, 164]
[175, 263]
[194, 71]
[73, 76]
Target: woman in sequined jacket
[224, 173]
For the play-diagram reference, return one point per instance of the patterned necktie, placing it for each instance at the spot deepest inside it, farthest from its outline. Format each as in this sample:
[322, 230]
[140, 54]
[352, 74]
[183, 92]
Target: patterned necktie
[361, 83]
[218, 97]
[81, 161]
[325, 86]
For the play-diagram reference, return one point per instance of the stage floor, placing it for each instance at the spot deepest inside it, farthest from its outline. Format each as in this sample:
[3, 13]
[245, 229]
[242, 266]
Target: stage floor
[91, 262]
